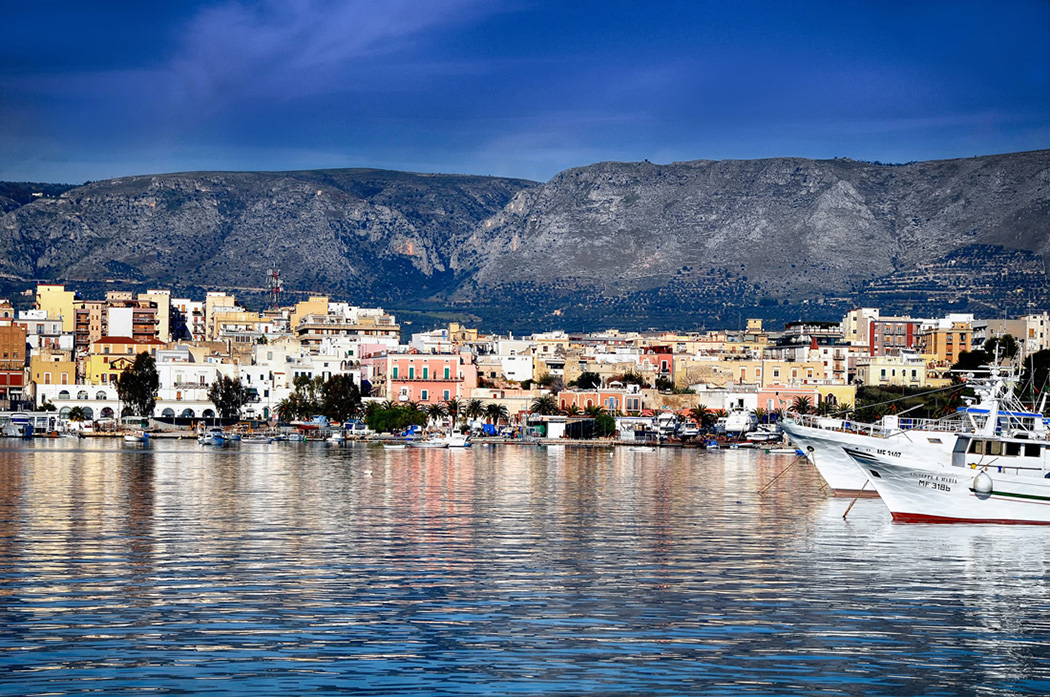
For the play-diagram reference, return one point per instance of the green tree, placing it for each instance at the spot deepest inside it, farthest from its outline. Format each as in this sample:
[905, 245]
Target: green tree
[573, 410]
[138, 385]
[604, 425]
[475, 409]
[496, 412]
[544, 405]
[453, 407]
[587, 381]
[802, 405]
[594, 410]
[703, 416]
[1006, 345]
[435, 412]
[228, 395]
[77, 414]
[340, 398]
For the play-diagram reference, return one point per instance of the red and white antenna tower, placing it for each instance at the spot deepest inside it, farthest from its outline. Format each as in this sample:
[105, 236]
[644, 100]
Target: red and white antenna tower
[276, 287]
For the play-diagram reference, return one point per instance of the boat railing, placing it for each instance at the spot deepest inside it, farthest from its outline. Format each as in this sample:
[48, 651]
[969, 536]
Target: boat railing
[882, 430]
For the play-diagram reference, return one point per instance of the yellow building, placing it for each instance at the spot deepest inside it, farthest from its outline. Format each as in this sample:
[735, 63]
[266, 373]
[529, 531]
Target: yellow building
[52, 368]
[112, 355]
[315, 305]
[58, 302]
[883, 371]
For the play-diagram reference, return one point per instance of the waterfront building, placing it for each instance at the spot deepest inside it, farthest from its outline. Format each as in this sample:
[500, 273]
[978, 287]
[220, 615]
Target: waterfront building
[111, 355]
[12, 365]
[906, 369]
[424, 378]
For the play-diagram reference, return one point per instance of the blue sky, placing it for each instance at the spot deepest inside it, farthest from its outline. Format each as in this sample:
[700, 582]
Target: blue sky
[518, 88]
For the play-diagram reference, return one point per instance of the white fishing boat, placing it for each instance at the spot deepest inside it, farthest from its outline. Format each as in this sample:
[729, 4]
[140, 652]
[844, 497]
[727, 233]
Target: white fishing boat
[256, 440]
[456, 440]
[428, 444]
[337, 437]
[987, 478]
[137, 437]
[822, 439]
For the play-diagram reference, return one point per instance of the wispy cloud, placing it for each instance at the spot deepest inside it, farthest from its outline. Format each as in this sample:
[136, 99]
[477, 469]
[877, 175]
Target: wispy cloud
[294, 48]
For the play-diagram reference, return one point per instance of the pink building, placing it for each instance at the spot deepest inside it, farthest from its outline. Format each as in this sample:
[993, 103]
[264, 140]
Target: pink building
[612, 401]
[428, 378]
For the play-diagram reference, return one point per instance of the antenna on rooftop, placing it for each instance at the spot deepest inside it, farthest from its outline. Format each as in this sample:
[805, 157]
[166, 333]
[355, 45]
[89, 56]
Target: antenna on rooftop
[276, 287]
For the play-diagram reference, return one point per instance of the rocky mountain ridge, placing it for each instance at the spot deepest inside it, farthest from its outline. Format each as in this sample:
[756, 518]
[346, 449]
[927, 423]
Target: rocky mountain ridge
[626, 244]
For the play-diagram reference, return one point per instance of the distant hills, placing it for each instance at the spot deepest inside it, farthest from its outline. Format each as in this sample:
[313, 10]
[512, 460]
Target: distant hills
[635, 245]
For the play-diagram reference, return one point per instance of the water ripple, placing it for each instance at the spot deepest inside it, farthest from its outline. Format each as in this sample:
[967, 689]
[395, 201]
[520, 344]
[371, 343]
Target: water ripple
[305, 568]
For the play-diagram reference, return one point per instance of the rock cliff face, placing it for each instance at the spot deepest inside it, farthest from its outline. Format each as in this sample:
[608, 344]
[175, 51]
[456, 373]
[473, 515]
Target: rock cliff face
[387, 235]
[627, 244]
[789, 225]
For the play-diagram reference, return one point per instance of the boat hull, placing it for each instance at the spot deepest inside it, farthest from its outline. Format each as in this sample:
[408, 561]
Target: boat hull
[915, 492]
[824, 450]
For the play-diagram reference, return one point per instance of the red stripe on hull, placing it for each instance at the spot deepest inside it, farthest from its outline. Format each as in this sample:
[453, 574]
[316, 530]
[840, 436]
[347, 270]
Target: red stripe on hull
[923, 518]
[856, 493]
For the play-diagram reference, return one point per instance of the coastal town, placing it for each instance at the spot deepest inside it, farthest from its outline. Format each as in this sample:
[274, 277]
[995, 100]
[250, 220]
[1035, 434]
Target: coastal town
[64, 358]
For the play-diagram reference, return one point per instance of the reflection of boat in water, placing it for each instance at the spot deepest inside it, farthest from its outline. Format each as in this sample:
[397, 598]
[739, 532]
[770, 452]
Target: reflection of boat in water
[256, 440]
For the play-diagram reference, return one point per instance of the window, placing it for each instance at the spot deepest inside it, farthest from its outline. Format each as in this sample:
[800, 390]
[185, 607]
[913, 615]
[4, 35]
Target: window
[100, 395]
[447, 372]
[426, 372]
[63, 394]
[394, 374]
[445, 395]
[411, 372]
[424, 395]
[82, 394]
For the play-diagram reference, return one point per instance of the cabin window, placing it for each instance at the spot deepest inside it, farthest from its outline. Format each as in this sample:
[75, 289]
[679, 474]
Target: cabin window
[977, 447]
[994, 447]
[935, 441]
[1031, 450]
[1013, 449]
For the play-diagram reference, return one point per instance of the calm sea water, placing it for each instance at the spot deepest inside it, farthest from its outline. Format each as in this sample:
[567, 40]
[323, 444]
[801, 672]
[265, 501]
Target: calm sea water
[303, 568]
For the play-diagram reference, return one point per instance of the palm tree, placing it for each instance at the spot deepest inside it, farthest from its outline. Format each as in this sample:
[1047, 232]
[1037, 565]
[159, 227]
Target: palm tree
[594, 410]
[496, 412]
[701, 415]
[802, 405]
[573, 410]
[388, 404]
[474, 409]
[544, 405]
[453, 407]
[77, 414]
[435, 412]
